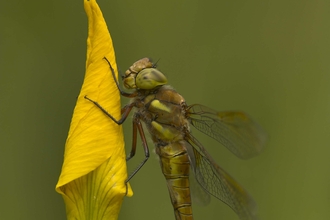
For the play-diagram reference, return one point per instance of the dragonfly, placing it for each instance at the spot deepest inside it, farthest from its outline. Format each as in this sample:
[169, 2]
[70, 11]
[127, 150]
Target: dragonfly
[168, 119]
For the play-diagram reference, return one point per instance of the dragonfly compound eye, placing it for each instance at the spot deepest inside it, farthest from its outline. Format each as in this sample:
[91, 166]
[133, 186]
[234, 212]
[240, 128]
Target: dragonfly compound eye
[150, 78]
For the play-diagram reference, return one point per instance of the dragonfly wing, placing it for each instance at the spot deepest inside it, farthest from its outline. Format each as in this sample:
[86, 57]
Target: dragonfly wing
[235, 130]
[198, 195]
[218, 182]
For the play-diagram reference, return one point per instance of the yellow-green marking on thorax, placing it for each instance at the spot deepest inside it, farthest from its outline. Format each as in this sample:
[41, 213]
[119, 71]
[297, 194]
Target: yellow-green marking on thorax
[158, 105]
[166, 132]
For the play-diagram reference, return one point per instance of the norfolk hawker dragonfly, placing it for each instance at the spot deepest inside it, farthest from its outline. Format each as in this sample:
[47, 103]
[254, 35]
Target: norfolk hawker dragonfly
[167, 118]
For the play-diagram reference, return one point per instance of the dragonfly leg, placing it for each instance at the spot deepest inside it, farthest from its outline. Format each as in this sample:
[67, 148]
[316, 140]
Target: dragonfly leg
[133, 149]
[123, 93]
[137, 126]
[124, 111]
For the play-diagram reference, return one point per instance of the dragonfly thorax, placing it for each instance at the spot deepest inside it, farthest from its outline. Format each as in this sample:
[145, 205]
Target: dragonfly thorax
[163, 112]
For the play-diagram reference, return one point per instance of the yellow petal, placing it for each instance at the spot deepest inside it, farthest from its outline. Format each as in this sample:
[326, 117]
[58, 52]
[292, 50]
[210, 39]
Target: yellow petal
[92, 181]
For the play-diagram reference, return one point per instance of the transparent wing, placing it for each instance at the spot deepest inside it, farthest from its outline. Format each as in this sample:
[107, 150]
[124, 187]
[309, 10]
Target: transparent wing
[235, 130]
[198, 195]
[218, 182]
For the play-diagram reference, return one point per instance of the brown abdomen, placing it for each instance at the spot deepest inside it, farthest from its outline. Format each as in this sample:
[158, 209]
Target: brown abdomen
[175, 166]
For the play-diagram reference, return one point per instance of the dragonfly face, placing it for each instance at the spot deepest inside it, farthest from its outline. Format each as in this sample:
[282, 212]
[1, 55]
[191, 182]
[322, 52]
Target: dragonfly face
[168, 118]
[143, 75]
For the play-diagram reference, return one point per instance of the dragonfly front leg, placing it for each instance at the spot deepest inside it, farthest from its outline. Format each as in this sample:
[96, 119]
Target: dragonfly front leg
[137, 126]
[123, 93]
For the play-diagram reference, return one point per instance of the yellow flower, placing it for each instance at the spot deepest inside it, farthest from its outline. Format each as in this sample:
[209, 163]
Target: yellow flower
[92, 181]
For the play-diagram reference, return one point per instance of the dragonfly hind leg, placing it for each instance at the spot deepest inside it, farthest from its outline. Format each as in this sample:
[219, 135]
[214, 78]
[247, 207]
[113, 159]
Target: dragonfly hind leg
[137, 127]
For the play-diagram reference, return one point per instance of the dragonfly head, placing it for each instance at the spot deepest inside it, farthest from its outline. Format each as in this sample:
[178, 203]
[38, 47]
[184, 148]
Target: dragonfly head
[143, 75]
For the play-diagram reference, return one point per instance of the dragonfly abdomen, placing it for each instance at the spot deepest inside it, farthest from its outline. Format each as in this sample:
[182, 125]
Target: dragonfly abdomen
[175, 166]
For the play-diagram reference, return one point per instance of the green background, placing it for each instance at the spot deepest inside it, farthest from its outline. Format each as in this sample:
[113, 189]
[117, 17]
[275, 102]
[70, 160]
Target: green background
[268, 58]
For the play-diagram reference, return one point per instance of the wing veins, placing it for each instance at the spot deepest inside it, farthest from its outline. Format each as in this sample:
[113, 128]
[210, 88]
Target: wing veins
[219, 183]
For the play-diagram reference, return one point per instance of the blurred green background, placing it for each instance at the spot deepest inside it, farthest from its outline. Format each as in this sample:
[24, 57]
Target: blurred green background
[268, 58]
